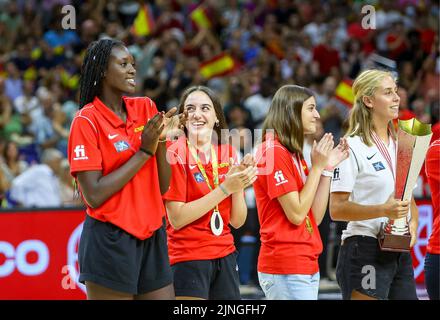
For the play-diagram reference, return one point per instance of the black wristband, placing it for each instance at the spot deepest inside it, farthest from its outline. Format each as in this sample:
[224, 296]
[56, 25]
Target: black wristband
[151, 154]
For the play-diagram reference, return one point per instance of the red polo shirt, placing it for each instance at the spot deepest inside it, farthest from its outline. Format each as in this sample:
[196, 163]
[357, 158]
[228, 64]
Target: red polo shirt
[433, 174]
[100, 141]
[196, 240]
[285, 248]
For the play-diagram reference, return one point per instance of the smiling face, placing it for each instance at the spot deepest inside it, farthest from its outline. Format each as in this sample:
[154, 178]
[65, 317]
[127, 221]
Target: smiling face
[385, 101]
[309, 115]
[201, 114]
[121, 72]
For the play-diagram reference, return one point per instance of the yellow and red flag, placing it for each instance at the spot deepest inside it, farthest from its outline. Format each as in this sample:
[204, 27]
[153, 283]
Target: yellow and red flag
[274, 46]
[143, 24]
[218, 66]
[199, 16]
[344, 93]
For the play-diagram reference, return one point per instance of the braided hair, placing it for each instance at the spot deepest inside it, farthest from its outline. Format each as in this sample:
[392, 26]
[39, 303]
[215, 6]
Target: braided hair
[92, 70]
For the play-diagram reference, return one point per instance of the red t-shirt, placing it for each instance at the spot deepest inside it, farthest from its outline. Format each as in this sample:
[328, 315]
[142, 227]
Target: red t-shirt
[355, 30]
[433, 174]
[196, 241]
[327, 58]
[396, 52]
[100, 141]
[285, 247]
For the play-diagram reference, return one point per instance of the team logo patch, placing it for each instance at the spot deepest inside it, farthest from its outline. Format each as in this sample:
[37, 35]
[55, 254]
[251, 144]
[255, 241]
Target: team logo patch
[378, 166]
[371, 157]
[279, 177]
[336, 175]
[121, 146]
[80, 152]
[138, 129]
[199, 177]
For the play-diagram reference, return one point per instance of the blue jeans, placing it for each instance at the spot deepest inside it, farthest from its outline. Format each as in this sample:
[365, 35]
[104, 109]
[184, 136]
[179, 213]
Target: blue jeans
[289, 286]
[432, 277]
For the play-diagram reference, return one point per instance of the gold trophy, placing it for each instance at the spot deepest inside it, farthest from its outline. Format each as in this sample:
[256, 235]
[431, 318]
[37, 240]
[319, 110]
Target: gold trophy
[413, 138]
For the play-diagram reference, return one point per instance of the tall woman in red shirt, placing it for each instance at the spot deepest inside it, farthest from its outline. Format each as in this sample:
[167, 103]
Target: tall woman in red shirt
[205, 197]
[291, 200]
[118, 161]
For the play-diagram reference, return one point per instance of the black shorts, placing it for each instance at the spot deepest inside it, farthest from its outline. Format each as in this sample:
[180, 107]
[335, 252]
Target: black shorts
[363, 267]
[215, 279]
[113, 258]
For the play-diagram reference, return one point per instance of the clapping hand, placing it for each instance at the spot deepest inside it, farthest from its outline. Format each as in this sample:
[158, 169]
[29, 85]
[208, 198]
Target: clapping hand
[338, 154]
[173, 123]
[247, 161]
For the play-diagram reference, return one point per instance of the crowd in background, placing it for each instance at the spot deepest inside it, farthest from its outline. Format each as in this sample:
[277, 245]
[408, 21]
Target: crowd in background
[316, 44]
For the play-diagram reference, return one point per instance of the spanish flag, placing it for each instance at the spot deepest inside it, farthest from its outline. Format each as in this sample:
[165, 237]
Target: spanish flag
[344, 93]
[218, 66]
[274, 47]
[200, 18]
[143, 24]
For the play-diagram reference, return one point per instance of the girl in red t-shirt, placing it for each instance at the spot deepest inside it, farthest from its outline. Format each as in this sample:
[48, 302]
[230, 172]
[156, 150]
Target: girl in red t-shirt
[204, 198]
[291, 201]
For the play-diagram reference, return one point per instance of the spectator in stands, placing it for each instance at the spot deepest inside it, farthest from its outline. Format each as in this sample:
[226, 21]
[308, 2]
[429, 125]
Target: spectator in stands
[4, 186]
[258, 104]
[43, 127]
[28, 105]
[12, 165]
[155, 84]
[39, 186]
[14, 82]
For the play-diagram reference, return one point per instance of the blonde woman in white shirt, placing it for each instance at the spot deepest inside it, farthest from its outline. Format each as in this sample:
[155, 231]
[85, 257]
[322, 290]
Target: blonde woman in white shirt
[362, 193]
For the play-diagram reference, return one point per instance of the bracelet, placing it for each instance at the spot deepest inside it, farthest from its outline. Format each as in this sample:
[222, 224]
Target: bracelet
[148, 152]
[224, 190]
[327, 173]
[164, 140]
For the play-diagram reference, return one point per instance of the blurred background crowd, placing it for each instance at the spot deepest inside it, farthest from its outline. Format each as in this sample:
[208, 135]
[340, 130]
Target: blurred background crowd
[244, 50]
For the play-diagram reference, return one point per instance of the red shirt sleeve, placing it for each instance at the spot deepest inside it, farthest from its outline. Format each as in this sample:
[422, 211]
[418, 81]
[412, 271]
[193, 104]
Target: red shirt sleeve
[178, 181]
[282, 179]
[83, 149]
[151, 107]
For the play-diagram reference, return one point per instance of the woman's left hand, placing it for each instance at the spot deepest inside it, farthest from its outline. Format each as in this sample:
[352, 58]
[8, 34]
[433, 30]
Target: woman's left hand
[338, 154]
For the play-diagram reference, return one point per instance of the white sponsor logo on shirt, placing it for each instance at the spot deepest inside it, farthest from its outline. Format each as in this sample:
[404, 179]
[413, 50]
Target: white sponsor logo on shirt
[112, 136]
[336, 175]
[80, 153]
[279, 177]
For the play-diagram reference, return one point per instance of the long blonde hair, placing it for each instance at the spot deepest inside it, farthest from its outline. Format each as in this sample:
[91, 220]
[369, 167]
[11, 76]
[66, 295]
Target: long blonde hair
[361, 119]
[284, 116]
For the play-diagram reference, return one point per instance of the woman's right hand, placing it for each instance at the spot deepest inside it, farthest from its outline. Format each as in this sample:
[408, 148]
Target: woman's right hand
[151, 133]
[320, 153]
[240, 180]
[395, 209]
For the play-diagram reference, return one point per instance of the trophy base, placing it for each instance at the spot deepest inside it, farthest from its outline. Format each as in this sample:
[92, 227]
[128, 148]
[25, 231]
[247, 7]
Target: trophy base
[394, 243]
